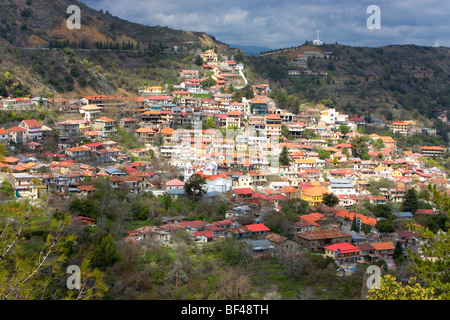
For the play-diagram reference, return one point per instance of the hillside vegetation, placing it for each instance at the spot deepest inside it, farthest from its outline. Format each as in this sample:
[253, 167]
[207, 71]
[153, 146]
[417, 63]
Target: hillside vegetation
[362, 80]
[107, 55]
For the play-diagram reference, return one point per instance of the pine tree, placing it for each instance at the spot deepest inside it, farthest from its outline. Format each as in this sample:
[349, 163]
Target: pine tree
[330, 199]
[410, 203]
[285, 158]
[195, 186]
[354, 226]
[105, 253]
[398, 252]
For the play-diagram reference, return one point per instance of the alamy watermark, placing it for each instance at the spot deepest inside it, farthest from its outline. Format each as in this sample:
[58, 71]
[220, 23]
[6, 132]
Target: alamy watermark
[74, 280]
[374, 21]
[373, 281]
[74, 21]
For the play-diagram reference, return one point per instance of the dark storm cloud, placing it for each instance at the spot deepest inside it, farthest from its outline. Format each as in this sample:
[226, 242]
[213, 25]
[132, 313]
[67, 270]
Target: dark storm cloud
[286, 23]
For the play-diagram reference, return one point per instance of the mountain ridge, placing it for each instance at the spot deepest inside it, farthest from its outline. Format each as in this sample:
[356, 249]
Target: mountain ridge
[107, 55]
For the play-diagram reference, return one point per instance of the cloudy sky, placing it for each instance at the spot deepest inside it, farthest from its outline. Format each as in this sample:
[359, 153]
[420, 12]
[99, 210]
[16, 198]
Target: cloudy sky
[286, 23]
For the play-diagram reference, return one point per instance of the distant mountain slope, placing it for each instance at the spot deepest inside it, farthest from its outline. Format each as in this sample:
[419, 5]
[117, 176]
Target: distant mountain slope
[250, 50]
[107, 54]
[26, 23]
[389, 82]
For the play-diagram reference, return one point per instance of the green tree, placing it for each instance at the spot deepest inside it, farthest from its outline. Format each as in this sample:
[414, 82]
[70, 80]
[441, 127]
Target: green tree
[27, 273]
[432, 266]
[159, 139]
[382, 211]
[199, 61]
[330, 199]
[83, 207]
[385, 226]
[324, 154]
[166, 201]
[410, 203]
[195, 186]
[285, 158]
[208, 82]
[359, 146]
[210, 122]
[344, 129]
[104, 254]
[285, 132]
[398, 253]
[390, 289]
[309, 134]
[354, 226]
[327, 102]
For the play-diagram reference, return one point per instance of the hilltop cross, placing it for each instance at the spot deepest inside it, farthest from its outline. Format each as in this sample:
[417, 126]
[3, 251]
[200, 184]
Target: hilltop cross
[317, 42]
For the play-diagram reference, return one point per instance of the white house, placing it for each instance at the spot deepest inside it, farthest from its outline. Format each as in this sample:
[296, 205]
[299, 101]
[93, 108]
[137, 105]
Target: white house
[341, 187]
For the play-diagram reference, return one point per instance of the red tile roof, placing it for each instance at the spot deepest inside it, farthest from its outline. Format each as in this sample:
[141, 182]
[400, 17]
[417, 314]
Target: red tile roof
[243, 191]
[257, 227]
[343, 247]
[32, 123]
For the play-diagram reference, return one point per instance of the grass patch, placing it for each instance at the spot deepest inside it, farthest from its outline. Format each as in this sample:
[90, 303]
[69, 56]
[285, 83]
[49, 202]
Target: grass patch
[135, 224]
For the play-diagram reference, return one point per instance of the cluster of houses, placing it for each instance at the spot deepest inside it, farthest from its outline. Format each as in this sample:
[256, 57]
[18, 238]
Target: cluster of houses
[238, 156]
[314, 232]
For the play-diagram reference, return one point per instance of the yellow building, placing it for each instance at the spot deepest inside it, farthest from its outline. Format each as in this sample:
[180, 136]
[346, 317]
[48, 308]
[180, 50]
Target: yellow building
[209, 56]
[314, 195]
[389, 142]
[400, 127]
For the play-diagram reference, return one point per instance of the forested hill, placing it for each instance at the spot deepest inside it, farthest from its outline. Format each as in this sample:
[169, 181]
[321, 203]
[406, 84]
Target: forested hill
[391, 82]
[27, 23]
[106, 55]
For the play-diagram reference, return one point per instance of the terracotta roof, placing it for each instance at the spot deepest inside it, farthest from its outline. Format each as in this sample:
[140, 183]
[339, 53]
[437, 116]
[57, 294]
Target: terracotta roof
[234, 113]
[365, 247]
[87, 188]
[207, 234]
[145, 130]
[243, 191]
[432, 148]
[167, 131]
[407, 234]
[104, 119]
[175, 182]
[223, 222]
[364, 219]
[312, 218]
[80, 148]
[275, 238]
[323, 234]
[194, 224]
[315, 191]
[273, 117]
[383, 245]
[10, 159]
[32, 123]
[16, 129]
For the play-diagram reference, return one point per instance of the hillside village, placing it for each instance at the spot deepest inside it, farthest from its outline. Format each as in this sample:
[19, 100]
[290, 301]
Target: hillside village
[251, 154]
